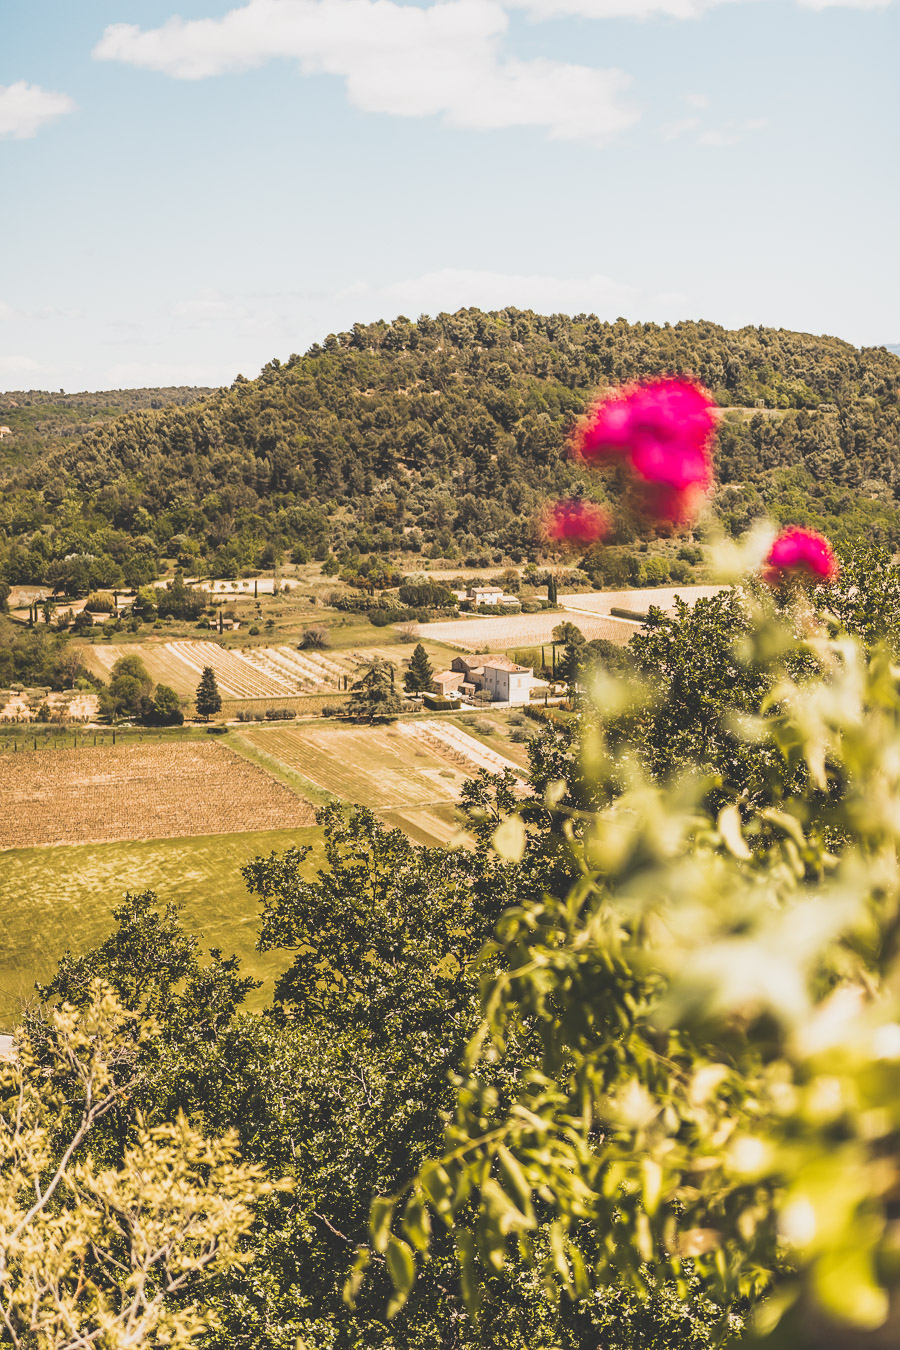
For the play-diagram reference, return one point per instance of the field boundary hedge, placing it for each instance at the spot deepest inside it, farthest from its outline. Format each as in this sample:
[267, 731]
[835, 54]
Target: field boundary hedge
[311, 703]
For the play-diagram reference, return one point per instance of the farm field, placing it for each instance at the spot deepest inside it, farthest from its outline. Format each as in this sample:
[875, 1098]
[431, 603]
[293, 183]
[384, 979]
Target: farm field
[514, 631]
[59, 898]
[129, 792]
[245, 673]
[640, 601]
[410, 773]
[255, 672]
[494, 730]
[23, 705]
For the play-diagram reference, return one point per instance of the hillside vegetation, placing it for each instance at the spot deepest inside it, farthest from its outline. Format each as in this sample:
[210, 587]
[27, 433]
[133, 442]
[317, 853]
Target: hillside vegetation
[39, 421]
[443, 436]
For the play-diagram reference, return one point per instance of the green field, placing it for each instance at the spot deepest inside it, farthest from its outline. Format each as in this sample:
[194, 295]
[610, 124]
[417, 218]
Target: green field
[58, 898]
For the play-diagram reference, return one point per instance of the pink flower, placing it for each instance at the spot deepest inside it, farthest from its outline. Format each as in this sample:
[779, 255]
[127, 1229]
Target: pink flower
[663, 431]
[802, 553]
[574, 522]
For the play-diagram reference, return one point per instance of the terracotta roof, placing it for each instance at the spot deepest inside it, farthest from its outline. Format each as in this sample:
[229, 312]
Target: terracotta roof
[503, 663]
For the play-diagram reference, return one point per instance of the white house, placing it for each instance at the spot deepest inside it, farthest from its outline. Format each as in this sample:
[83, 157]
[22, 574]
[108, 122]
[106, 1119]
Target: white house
[506, 682]
[485, 595]
[498, 676]
[5, 431]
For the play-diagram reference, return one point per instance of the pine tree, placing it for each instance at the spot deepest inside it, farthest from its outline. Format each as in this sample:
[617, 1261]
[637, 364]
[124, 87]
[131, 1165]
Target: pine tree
[420, 672]
[209, 700]
[372, 694]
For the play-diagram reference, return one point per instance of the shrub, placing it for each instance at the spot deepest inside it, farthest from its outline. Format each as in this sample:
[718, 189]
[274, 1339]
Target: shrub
[314, 638]
[100, 602]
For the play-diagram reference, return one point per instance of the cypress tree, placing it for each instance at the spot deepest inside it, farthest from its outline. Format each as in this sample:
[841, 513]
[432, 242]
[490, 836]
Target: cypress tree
[209, 700]
[420, 672]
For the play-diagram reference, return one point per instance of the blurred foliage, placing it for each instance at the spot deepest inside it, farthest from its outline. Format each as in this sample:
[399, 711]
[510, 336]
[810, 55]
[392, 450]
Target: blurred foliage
[716, 999]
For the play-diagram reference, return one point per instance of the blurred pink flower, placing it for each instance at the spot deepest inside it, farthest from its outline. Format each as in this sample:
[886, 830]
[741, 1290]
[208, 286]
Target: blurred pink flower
[574, 522]
[663, 431]
[800, 552]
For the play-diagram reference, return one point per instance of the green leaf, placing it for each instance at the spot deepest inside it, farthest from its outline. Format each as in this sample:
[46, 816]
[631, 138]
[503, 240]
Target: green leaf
[509, 839]
[381, 1216]
[729, 825]
[515, 1178]
[468, 1271]
[401, 1265]
[417, 1222]
[651, 1176]
[353, 1282]
[435, 1182]
[846, 1287]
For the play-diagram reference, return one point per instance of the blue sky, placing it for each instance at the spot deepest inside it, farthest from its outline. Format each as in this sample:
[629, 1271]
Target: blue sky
[190, 190]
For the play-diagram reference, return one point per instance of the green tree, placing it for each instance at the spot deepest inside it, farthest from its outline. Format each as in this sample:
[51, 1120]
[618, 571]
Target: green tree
[420, 673]
[373, 696]
[167, 706]
[130, 684]
[569, 666]
[99, 1252]
[180, 601]
[208, 698]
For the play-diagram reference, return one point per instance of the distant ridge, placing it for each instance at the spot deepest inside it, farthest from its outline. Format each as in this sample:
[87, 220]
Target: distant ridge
[442, 437]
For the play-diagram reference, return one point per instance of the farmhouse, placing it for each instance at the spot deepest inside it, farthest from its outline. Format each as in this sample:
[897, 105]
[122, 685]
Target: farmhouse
[448, 681]
[497, 676]
[489, 595]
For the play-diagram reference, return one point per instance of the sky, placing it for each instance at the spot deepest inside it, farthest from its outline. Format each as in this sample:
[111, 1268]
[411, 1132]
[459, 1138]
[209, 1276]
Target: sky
[189, 190]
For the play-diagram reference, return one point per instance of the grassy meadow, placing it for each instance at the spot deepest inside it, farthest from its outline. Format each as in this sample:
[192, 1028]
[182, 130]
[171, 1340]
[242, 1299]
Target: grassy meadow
[62, 897]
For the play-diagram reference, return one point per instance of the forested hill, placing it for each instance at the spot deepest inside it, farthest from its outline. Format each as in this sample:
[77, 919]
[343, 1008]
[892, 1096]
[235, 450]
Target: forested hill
[446, 434]
[38, 420]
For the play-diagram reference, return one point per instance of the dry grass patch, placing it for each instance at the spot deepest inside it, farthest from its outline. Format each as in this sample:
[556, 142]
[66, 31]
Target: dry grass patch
[378, 767]
[509, 632]
[129, 792]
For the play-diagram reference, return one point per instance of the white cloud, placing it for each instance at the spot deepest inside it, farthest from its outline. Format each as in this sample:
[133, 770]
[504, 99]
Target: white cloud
[25, 108]
[672, 130]
[718, 139]
[6, 311]
[656, 9]
[845, 4]
[731, 133]
[17, 365]
[619, 9]
[401, 59]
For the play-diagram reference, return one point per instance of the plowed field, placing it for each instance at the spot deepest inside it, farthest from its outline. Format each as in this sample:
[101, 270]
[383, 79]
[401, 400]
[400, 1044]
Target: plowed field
[138, 792]
[250, 672]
